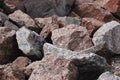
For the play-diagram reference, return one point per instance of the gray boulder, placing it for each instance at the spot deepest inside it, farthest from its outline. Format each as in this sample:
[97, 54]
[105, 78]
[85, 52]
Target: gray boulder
[45, 8]
[108, 76]
[30, 43]
[108, 35]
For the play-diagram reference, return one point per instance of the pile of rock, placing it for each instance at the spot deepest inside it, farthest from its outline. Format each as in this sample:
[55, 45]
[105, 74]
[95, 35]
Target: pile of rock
[59, 40]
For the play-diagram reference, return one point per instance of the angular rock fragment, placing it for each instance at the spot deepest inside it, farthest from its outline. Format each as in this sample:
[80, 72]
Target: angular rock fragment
[21, 62]
[108, 76]
[3, 18]
[7, 44]
[91, 24]
[72, 37]
[45, 8]
[22, 19]
[15, 70]
[92, 10]
[50, 26]
[11, 25]
[69, 20]
[111, 5]
[30, 43]
[12, 73]
[55, 68]
[51, 23]
[108, 34]
[89, 64]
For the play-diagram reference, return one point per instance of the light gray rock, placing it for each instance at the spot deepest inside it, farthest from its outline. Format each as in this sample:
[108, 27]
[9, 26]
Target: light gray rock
[108, 34]
[108, 76]
[69, 20]
[3, 18]
[10, 25]
[30, 43]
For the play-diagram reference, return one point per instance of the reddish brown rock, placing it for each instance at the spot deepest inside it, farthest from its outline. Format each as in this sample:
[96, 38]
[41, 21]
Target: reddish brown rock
[7, 44]
[72, 37]
[91, 24]
[13, 73]
[92, 10]
[22, 19]
[111, 5]
[12, 4]
[21, 62]
[101, 2]
[50, 26]
[53, 67]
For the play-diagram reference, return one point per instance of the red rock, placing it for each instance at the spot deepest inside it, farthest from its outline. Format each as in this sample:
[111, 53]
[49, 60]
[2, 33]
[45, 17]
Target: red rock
[111, 5]
[72, 37]
[55, 68]
[21, 62]
[50, 26]
[23, 19]
[92, 10]
[101, 2]
[91, 24]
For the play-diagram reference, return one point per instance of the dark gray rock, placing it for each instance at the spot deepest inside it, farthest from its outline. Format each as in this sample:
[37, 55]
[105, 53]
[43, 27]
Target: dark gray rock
[30, 43]
[45, 8]
[7, 45]
[3, 18]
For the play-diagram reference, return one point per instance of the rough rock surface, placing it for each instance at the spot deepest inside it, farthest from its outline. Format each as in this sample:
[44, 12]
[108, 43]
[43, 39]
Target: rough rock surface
[12, 71]
[108, 76]
[55, 68]
[109, 35]
[69, 20]
[91, 24]
[3, 18]
[72, 37]
[7, 44]
[111, 5]
[21, 62]
[22, 19]
[45, 8]
[30, 43]
[99, 64]
[92, 10]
